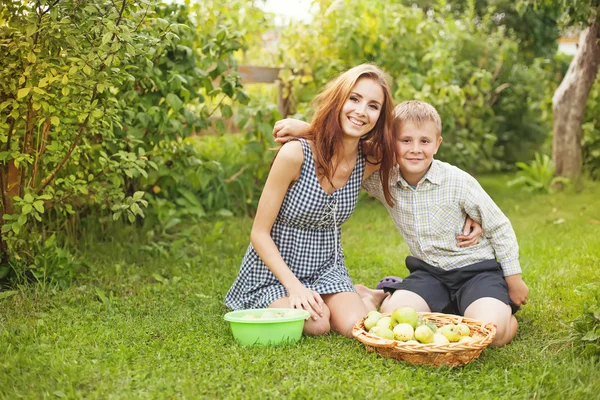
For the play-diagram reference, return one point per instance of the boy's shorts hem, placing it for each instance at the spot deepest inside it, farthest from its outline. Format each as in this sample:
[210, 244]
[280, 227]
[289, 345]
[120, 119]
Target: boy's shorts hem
[453, 291]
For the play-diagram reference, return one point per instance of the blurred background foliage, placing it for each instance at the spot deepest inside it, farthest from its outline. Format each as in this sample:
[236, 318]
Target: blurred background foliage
[138, 112]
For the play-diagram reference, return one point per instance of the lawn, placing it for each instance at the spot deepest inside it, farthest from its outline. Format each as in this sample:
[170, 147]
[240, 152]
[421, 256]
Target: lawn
[146, 321]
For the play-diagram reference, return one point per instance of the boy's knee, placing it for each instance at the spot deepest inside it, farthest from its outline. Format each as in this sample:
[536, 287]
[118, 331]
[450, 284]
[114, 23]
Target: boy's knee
[495, 311]
[404, 298]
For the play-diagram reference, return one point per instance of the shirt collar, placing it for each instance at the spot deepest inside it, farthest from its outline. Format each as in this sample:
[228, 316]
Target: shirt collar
[432, 175]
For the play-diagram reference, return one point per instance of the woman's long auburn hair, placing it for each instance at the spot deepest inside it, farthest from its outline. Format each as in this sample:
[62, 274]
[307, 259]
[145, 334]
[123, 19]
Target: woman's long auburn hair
[327, 134]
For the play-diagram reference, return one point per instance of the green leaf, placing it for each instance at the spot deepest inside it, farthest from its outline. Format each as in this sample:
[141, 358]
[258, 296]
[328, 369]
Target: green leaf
[138, 195]
[174, 101]
[226, 111]
[23, 92]
[28, 198]
[242, 97]
[107, 37]
[55, 120]
[26, 209]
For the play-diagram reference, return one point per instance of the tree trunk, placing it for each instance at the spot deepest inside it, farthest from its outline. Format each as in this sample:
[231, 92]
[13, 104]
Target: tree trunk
[568, 104]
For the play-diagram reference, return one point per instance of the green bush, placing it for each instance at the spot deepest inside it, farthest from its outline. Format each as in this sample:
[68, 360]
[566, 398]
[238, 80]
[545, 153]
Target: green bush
[492, 102]
[538, 175]
[585, 329]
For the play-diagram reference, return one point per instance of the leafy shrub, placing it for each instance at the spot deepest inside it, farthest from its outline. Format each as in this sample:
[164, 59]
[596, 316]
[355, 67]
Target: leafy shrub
[492, 102]
[585, 334]
[538, 175]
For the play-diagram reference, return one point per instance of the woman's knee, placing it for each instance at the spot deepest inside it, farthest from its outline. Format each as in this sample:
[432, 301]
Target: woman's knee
[344, 325]
[320, 326]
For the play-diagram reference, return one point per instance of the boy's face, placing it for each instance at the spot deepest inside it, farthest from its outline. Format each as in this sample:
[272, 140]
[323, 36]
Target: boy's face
[416, 147]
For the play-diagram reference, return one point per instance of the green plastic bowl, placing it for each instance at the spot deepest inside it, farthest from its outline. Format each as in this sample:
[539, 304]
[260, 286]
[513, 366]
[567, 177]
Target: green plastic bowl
[285, 326]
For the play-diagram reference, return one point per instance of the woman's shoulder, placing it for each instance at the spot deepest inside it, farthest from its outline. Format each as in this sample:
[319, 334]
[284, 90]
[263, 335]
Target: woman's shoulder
[291, 153]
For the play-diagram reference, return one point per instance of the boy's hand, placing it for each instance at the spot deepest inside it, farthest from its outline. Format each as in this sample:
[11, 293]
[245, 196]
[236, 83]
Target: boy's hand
[285, 129]
[517, 289]
[472, 233]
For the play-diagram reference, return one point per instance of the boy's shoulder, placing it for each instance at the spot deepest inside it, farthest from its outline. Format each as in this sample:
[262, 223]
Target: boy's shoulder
[447, 173]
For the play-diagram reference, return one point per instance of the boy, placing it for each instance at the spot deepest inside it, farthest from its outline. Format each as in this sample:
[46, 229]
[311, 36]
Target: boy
[432, 199]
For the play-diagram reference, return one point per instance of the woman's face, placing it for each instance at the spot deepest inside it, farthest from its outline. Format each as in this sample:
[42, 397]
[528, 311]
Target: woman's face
[362, 108]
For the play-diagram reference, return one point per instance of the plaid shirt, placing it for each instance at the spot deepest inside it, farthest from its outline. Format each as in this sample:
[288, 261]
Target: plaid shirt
[430, 216]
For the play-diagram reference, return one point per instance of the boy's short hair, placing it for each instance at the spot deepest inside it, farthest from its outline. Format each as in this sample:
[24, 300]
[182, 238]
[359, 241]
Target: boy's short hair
[417, 112]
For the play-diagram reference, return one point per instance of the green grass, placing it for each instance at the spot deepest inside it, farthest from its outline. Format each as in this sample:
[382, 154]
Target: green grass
[144, 325]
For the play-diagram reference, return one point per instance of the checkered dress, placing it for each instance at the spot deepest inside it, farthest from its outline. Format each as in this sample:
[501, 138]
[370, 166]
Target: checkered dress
[307, 233]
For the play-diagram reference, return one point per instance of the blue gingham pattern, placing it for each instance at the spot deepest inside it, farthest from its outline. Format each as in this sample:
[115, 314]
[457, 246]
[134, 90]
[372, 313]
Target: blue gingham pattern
[307, 233]
[430, 216]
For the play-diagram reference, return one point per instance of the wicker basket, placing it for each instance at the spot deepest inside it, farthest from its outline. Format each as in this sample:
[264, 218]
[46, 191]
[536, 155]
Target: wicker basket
[452, 354]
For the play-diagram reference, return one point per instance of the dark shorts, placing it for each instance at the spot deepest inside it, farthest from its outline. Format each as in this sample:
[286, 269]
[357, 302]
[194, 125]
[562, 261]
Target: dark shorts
[452, 291]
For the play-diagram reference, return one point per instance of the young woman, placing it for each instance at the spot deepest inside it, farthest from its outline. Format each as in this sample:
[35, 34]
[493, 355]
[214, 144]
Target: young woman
[295, 258]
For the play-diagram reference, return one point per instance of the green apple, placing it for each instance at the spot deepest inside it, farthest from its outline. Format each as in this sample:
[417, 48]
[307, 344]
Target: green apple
[451, 331]
[438, 338]
[424, 334]
[374, 330]
[466, 339]
[385, 322]
[374, 312]
[372, 320]
[404, 332]
[385, 333]
[405, 315]
[464, 330]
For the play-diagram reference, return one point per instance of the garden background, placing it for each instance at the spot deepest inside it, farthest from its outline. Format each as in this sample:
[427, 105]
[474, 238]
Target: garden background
[133, 154]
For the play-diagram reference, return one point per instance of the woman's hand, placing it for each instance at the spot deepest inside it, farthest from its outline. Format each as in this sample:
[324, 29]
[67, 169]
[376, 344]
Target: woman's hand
[517, 289]
[472, 233]
[303, 298]
[288, 128]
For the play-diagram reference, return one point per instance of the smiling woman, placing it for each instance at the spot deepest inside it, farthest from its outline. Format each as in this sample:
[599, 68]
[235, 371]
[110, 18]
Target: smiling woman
[295, 258]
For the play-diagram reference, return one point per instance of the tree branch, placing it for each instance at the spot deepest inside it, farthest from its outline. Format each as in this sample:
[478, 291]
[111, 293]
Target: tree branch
[40, 152]
[47, 180]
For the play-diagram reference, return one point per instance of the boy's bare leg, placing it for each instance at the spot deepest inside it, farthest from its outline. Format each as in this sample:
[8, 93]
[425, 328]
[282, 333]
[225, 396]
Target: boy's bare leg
[489, 309]
[404, 298]
[371, 297]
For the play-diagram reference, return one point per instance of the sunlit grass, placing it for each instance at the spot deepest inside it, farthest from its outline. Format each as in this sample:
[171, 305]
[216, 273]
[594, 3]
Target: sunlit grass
[145, 325]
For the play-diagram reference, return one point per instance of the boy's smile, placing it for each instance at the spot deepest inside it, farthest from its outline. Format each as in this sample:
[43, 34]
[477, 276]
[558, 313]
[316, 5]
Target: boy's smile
[416, 146]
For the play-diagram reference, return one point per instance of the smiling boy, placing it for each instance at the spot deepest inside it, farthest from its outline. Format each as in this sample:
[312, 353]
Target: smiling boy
[431, 202]
[432, 199]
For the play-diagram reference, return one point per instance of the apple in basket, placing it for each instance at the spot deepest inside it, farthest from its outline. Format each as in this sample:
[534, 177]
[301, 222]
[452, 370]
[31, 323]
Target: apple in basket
[405, 315]
[372, 318]
[464, 330]
[424, 334]
[404, 332]
[385, 322]
[382, 332]
[438, 338]
[451, 331]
